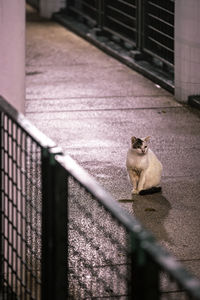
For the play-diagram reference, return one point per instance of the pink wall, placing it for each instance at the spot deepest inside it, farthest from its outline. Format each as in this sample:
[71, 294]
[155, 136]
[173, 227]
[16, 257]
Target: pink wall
[187, 49]
[12, 52]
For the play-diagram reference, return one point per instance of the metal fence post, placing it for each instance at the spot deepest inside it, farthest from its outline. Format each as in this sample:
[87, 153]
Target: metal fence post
[54, 229]
[1, 215]
[140, 13]
[100, 14]
[144, 283]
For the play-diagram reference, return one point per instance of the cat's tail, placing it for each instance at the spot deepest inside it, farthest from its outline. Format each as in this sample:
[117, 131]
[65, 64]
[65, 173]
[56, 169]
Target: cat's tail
[154, 189]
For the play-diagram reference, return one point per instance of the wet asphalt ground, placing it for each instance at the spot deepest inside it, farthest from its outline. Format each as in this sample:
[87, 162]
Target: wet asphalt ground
[90, 105]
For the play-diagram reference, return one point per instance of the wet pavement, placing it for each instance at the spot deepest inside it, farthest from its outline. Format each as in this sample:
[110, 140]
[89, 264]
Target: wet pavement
[91, 105]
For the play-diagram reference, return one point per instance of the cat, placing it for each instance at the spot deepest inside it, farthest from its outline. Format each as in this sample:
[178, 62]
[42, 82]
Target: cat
[143, 167]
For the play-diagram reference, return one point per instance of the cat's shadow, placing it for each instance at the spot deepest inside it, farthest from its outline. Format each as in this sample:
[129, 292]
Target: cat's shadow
[151, 211]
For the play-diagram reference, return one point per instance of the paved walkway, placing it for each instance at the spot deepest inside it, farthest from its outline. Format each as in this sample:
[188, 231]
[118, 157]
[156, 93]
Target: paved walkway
[91, 105]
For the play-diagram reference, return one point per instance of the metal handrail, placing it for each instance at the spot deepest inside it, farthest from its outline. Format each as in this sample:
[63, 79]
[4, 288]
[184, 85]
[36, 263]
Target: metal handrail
[39, 137]
[146, 244]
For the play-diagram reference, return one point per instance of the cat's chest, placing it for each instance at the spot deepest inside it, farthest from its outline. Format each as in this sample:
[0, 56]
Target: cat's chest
[138, 163]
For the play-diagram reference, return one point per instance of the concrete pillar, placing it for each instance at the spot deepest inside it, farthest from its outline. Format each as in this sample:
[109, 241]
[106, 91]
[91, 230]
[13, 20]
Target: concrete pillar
[187, 49]
[48, 7]
[12, 52]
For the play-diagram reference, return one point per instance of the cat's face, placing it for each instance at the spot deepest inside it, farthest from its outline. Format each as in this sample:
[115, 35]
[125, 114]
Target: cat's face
[140, 145]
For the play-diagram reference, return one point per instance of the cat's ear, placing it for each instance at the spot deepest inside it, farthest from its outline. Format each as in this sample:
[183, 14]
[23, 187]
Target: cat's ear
[133, 139]
[147, 139]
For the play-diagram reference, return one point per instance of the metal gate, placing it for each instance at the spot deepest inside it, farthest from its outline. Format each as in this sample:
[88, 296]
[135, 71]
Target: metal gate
[147, 25]
[27, 253]
[159, 30]
[120, 18]
[87, 9]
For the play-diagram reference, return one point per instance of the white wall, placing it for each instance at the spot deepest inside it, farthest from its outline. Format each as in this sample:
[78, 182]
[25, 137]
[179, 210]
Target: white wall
[187, 48]
[48, 7]
[12, 52]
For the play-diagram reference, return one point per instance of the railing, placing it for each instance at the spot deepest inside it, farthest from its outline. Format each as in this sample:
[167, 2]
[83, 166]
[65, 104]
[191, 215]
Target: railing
[87, 9]
[120, 19]
[64, 237]
[145, 26]
[159, 30]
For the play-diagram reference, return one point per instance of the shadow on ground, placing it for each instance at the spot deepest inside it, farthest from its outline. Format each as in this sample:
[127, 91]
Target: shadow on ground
[151, 211]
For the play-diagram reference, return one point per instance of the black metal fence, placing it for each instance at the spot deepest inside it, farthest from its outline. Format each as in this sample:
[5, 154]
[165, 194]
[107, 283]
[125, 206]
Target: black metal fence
[20, 211]
[120, 18]
[146, 25]
[64, 237]
[159, 30]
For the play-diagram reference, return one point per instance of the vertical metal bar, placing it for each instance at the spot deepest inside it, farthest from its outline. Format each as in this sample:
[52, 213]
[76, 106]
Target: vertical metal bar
[140, 17]
[54, 229]
[8, 230]
[47, 228]
[99, 13]
[144, 274]
[1, 215]
[13, 212]
[103, 13]
[61, 233]
[31, 216]
[19, 184]
[68, 4]
[23, 192]
[24, 152]
[38, 217]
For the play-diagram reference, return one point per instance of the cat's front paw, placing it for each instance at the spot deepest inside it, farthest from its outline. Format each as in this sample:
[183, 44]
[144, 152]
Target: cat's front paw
[135, 192]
